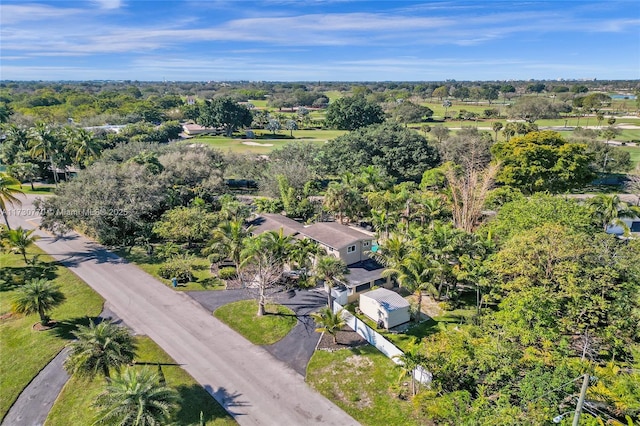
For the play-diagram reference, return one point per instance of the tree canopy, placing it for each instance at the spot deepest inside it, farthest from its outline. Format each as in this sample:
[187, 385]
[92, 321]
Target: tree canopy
[224, 112]
[400, 153]
[543, 161]
[353, 112]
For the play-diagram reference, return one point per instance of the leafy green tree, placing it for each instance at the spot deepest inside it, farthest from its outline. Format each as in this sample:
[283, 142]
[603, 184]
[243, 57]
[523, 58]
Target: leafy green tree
[226, 113]
[441, 92]
[407, 112]
[8, 195]
[330, 270]
[532, 109]
[5, 112]
[185, 224]
[136, 398]
[19, 240]
[351, 113]
[38, 296]
[274, 125]
[543, 161]
[100, 348]
[329, 322]
[400, 153]
[291, 125]
[24, 172]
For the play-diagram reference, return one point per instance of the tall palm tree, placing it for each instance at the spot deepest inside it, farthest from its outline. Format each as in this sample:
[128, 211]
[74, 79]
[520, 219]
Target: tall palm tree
[100, 348]
[8, 195]
[38, 296]
[330, 269]
[610, 210]
[15, 145]
[45, 145]
[136, 398]
[409, 361]
[415, 273]
[302, 253]
[82, 145]
[277, 244]
[18, 240]
[329, 322]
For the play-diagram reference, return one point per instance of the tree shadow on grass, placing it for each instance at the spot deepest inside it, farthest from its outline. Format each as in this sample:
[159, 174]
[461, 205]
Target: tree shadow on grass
[65, 328]
[12, 277]
[195, 399]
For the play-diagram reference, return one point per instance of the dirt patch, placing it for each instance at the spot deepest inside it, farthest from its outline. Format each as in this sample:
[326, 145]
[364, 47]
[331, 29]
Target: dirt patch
[39, 327]
[429, 306]
[6, 316]
[347, 338]
[359, 361]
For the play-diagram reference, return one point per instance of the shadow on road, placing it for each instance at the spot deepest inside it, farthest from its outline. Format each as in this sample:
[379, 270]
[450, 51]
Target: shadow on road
[226, 399]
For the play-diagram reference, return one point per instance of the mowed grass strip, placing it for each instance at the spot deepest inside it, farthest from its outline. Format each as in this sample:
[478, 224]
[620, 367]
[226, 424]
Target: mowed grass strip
[361, 381]
[73, 406]
[265, 330]
[23, 351]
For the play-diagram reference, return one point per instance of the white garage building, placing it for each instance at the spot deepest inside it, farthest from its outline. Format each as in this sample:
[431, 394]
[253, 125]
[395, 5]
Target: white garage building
[385, 307]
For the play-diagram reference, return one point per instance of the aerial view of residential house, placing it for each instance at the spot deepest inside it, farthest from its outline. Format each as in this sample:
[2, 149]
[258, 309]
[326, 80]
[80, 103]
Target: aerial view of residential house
[349, 244]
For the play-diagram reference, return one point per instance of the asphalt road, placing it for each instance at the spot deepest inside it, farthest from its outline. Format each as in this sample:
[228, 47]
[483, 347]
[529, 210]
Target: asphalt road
[253, 386]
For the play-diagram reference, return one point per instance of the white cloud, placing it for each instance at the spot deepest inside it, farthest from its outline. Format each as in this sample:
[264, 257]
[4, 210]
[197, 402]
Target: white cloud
[109, 4]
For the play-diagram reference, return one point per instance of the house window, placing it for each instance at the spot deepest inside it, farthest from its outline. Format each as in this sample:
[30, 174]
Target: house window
[380, 281]
[351, 249]
[635, 227]
[363, 287]
[365, 244]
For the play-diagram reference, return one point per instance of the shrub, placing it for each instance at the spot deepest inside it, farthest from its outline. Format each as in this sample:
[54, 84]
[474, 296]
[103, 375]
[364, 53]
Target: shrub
[227, 273]
[178, 267]
[449, 305]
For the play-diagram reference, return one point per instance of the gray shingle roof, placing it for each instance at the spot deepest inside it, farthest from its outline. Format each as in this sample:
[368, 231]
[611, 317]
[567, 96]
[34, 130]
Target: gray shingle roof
[333, 234]
[387, 299]
[274, 222]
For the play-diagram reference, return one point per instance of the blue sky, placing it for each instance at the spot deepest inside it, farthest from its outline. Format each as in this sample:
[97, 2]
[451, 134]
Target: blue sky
[313, 40]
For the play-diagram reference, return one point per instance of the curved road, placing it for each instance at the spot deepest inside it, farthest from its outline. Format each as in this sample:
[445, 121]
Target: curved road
[254, 387]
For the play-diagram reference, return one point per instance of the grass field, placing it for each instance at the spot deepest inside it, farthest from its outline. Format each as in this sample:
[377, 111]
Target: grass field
[38, 190]
[73, 406]
[364, 383]
[265, 330]
[267, 143]
[25, 351]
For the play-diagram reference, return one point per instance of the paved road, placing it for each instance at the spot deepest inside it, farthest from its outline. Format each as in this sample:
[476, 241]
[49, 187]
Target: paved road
[297, 347]
[251, 384]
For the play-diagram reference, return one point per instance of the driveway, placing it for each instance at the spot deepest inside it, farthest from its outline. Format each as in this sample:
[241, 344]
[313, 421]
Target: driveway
[252, 385]
[297, 347]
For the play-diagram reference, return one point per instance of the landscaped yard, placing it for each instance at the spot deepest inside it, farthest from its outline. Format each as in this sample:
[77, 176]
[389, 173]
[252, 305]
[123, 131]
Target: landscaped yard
[73, 406]
[203, 280]
[264, 330]
[25, 351]
[363, 382]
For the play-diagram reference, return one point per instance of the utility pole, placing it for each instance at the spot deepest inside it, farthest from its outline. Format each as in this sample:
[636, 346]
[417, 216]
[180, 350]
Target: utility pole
[583, 393]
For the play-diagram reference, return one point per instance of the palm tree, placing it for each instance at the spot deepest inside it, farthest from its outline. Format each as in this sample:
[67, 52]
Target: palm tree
[82, 145]
[409, 361]
[38, 296]
[44, 145]
[302, 252]
[228, 240]
[610, 210]
[277, 244]
[18, 240]
[136, 398]
[414, 273]
[330, 269]
[8, 195]
[329, 322]
[100, 348]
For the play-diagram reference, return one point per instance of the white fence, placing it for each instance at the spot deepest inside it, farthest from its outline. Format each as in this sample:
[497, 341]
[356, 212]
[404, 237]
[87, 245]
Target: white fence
[380, 342]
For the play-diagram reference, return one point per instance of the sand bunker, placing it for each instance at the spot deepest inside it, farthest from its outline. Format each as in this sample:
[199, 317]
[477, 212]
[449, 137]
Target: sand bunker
[257, 143]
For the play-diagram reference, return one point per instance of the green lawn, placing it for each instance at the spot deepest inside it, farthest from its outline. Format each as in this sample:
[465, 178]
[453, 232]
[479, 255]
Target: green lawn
[151, 265]
[364, 383]
[265, 140]
[73, 406]
[265, 330]
[24, 351]
[37, 190]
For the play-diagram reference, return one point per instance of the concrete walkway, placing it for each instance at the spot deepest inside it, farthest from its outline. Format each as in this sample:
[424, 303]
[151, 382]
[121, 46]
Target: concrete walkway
[251, 384]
